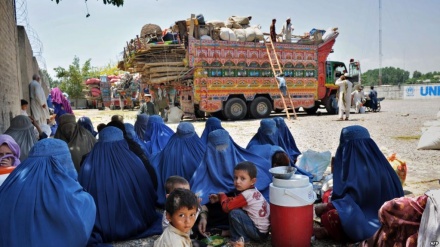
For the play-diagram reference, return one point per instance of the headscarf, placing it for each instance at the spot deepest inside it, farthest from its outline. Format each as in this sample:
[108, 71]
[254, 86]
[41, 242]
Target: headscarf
[157, 134]
[181, 156]
[362, 181]
[140, 126]
[287, 136]
[79, 140]
[216, 171]
[86, 123]
[266, 151]
[211, 124]
[22, 131]
[122, 189]
[10, 142]
[58, 97]
[41, 202]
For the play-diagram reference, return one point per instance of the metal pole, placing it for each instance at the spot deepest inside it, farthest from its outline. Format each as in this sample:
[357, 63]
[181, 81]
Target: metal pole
[380, 42]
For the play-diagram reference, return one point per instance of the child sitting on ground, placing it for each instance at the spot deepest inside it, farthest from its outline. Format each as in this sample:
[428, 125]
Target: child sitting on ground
[249, 211]
[181, 210]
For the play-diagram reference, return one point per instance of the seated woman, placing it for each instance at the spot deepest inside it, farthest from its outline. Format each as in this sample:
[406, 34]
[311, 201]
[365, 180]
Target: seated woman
[22, 131]
[181, 156]
[86, 123]
[130, 133]
[122, 189]
[9, 156]
[157, 134]
[79, 140]
[275, 154]
[211, 124]
[408, 222]
[362, 181]
[140, 126]
[60, 104]
[287, 136]
[42, 202]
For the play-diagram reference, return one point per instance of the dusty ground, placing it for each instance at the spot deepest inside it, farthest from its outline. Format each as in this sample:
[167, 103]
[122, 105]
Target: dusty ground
[396, 128]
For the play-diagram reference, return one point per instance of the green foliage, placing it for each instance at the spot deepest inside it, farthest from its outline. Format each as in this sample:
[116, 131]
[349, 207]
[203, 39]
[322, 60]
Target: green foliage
[112, 2]
[52, 83]
[109, 69]
[417, 74]
[72, 78]
[396, 76]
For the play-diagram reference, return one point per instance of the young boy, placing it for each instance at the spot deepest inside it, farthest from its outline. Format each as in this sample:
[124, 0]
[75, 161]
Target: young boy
[181, 210]
[24, 106]
[172, 183]
[148, 107]
[249, 211]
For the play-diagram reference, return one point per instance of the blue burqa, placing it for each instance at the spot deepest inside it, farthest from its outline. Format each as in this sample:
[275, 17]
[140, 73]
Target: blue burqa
[211, 124]
[287, 136]
[268, 133]
[42, 203]
[122, 189]
[140, 126]
[86, 123]
[266, 151]
[181, 156]
[131, 134]
[216, 171]
[157, 134]
[362, 181]
[22, 130]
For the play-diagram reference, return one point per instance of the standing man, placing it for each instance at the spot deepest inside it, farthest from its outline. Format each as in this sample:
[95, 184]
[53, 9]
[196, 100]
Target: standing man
[373, 97]
[273, 33]
[287, 31]
[162, 101]
[344, 96]
[39, 109]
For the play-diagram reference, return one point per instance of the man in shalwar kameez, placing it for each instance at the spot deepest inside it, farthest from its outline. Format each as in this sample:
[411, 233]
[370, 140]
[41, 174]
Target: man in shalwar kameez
[344, 96]
[38, 101]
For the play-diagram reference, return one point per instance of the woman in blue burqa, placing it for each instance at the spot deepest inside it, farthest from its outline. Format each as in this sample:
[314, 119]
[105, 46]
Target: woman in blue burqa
[216, 171]
[287, 136]
[22, 130]
[86, 123]
[140, 126]
[157, 134]
[42, 203]
[211, 124]
[181, 156]
[130, 133]
[79, 140]
[363, 181]
[268, 133]
[122, 189]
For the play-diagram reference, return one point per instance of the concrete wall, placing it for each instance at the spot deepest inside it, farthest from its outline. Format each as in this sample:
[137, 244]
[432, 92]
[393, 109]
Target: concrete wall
[10, 82]
[25, 58]
[389, 92]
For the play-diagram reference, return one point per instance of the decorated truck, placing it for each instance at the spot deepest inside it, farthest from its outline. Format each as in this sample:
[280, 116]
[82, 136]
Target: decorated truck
[234, 79]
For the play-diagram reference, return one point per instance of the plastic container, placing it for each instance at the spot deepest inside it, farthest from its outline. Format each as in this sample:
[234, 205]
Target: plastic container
[362, 109]
[4, 173]
[291, 212]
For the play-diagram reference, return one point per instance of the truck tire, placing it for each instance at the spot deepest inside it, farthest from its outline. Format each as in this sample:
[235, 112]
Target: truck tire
[312, 110]
[331, 104]
[260, 107]
[235, 109]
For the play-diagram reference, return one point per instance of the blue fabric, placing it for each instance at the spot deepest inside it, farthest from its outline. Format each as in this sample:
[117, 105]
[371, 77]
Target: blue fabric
[216, 171]
[211, 124]
[58, 109]
[241, 225]
[266, 151]
[131, 134]
[42, 203]
[181, 156]
[87, 124]
[49, 101]
[157, 134]
[122, 189]
[268, 133]
[362, 181]
[140, 126]
[287, 136]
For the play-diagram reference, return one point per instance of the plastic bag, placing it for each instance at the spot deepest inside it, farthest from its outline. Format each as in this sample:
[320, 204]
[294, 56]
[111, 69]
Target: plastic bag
[314, 162]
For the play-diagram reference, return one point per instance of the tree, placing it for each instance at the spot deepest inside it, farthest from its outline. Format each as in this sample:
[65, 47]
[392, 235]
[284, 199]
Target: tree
[417, 74]
[52, 83]
[72, 79]
[390, 76]
[113, 2]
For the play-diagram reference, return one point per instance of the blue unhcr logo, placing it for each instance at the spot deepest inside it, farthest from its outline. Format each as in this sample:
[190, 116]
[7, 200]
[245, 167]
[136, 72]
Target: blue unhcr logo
[430, 90]
[410, 91]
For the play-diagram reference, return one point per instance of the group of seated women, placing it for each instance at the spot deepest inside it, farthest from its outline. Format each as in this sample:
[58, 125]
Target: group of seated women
[75, 190]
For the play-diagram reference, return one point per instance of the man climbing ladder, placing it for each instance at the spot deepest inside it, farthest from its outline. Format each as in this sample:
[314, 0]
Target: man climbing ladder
[279, 76]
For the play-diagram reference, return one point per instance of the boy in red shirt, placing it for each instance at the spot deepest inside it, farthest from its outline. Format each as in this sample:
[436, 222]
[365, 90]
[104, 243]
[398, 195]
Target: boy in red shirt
[249, 211]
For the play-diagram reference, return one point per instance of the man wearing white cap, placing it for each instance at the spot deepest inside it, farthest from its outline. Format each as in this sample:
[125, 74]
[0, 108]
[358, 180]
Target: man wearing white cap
[287, 31]
[148, 107]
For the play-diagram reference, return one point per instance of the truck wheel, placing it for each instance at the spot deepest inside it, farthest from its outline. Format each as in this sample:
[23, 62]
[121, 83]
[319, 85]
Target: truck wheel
[312, 110]
[235, 109]
[260, 107]
[331, 104]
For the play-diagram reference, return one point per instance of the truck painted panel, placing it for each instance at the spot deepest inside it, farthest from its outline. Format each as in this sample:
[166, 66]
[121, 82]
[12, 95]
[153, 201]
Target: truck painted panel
[224, 68]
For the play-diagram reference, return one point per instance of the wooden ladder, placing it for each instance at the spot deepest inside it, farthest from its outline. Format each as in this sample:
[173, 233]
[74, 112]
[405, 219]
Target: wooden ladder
[276, 69]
